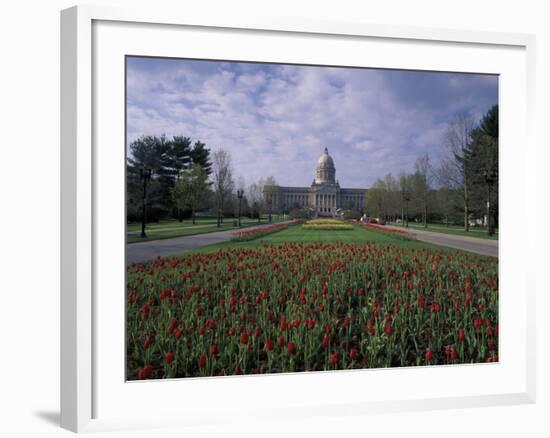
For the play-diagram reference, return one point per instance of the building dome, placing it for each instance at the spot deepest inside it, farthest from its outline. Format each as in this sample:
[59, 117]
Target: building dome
[326, 171]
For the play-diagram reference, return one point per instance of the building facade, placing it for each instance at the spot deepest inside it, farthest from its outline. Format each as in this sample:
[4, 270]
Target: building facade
[324, 197]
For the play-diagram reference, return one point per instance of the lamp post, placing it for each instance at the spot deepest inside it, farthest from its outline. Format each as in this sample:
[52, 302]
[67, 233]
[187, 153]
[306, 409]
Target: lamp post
[240, 194]
[490, 178]
[145, 176]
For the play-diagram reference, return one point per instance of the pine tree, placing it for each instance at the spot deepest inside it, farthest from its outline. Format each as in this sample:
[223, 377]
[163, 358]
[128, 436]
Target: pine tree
[201, 155]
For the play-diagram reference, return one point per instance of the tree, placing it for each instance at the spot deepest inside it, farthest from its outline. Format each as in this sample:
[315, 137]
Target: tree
[391, 201]
[255, 197]
[405, 196]
[454, 170]
[191, 189]
[222, 180]
[144, 165]
[176, 158]
[270, 183]
[422, 184]
[200, 155]
[482, 160]
[376, 196]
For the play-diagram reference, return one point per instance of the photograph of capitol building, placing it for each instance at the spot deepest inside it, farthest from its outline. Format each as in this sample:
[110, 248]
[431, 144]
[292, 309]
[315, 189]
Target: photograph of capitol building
[324, 197]
[285, 218]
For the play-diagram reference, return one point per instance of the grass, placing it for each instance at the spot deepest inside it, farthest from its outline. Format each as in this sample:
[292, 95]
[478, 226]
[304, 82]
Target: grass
[451, 229]
[297, 234]
[174, 228]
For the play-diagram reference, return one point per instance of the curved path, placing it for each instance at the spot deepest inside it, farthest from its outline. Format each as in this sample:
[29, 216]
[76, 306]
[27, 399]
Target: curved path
[149, 250]
[487, 247]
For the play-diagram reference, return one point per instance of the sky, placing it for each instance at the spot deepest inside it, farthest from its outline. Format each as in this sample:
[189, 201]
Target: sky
[276, 119]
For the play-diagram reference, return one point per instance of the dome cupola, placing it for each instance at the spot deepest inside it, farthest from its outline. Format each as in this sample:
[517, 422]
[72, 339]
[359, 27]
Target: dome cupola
[326, 171]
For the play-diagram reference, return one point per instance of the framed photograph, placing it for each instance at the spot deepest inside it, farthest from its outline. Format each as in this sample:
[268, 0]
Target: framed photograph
[291, 217]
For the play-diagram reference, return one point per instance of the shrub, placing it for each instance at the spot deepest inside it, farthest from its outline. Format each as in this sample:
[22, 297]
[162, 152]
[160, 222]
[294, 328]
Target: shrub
[300, 213]
[351, 214]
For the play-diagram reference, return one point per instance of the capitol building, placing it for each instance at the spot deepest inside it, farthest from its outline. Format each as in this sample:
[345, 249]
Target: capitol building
[324, 197]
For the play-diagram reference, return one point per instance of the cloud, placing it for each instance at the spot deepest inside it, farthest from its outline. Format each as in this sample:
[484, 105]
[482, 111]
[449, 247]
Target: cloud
[276, 119]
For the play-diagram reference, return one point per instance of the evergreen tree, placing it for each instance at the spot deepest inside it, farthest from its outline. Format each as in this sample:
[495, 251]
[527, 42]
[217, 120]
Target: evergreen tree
[144, 162]
[482, 162]
[200, 155]
[175, 160]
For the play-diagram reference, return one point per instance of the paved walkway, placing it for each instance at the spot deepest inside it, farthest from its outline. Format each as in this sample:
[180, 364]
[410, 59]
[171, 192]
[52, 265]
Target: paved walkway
[479, 245]
[149, 250]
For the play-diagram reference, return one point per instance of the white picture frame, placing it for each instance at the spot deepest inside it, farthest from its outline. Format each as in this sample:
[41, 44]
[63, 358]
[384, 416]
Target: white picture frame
[85, 243]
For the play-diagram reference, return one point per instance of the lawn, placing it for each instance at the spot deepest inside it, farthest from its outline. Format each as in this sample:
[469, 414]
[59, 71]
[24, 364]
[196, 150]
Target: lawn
[173, 228]
[452, 229]
[299, 234]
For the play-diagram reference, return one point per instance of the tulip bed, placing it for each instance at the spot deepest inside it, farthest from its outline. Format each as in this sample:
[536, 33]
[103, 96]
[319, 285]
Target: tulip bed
[327, 225]
[309, 307]
[247, 235]
[392, 231]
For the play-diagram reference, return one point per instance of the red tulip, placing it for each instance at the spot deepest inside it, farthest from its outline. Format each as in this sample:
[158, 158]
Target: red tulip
[178, 333]
[291, 347]
[421, 301]
[353, 354]
[145, 309]
[169, 357]
[145, 372]
[202, 361]
[326, 341]
[334, 358]
[172, 325]
[388, 329]
[461, 335]
[268, 344]
[428, 355]
[213, 350]
[244, 338]
[370, 328]
[147, 341]
[280, 341]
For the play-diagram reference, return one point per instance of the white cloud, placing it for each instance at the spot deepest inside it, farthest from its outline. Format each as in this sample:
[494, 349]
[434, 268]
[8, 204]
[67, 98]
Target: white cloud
[276, 120]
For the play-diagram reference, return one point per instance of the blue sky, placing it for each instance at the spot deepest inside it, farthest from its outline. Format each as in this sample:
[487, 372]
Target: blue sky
[275, 120]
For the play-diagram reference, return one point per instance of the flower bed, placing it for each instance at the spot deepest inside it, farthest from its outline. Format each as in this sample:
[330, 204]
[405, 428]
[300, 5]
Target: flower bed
[392, 231]
[246, 235]
[306, 307]
[327, 224]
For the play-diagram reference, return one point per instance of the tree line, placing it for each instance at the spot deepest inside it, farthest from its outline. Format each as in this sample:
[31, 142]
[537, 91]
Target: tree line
[461, 188]
[176, 178]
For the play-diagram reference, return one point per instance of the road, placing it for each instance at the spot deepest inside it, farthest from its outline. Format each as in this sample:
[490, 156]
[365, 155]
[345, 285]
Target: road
[149, 250]
[488, 247]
